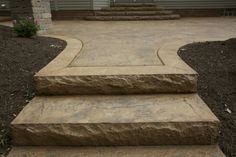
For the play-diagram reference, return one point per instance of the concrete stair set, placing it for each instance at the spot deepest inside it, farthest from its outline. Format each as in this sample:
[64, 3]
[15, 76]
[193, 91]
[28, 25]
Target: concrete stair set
[132, 12]
[128, 123]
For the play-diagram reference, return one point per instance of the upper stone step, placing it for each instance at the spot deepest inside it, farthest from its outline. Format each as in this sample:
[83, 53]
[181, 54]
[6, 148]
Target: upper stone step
[143, 8]
[133, 4]
[158, 151]
[133, 13]
[124, 120]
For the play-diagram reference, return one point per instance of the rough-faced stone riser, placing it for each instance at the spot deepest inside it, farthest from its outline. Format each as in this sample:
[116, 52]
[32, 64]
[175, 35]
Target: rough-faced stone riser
[130, 134]
[133, 84]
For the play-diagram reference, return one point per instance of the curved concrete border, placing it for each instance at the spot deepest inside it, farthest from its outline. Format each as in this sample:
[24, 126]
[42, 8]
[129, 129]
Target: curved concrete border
[61, 62]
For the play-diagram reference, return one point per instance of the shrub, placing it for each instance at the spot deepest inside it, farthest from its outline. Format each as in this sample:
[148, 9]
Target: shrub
[25, 27]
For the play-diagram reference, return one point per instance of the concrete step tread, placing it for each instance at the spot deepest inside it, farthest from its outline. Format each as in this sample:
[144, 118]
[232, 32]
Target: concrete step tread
[142, 13]
[112, 109]
[115, 120]
[155, 17]
[157, 151]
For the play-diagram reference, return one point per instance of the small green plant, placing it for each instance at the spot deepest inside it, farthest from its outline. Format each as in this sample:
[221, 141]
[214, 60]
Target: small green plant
[29, 95]
[25, 27]
[3, 138]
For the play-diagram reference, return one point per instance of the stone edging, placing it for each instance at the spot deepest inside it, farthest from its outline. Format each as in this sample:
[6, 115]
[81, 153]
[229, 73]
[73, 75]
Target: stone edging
[64, 58]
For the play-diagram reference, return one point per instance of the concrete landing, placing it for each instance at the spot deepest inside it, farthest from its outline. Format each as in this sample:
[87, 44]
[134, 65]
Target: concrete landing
[158, 151]
[115, 120]
[129, 55]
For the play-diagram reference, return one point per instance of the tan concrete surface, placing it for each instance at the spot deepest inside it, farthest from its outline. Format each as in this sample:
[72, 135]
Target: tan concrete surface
[115, 120]
[158, 151]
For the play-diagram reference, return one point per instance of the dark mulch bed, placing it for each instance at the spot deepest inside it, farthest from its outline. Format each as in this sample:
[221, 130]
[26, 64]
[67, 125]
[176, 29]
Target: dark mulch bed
[20, 59]
[216, 64]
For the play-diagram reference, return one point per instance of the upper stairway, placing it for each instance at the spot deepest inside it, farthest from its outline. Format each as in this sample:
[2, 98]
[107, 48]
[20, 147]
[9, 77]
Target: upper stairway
[132, 12]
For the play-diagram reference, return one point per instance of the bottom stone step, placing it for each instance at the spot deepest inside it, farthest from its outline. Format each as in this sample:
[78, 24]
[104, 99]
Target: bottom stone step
[125, 120]
[132, 18]
[158, 151]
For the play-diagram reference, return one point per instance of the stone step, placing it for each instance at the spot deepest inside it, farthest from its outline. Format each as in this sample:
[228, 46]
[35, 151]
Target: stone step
[157, 151]
[125, 120]
[132, 13]
[134, 5]
[117, 69]
[144, 8]
[132, 18]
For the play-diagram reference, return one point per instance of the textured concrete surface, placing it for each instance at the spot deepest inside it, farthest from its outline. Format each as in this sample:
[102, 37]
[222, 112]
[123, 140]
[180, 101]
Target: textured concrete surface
[115, 120]
[129, 54]
[161, 151]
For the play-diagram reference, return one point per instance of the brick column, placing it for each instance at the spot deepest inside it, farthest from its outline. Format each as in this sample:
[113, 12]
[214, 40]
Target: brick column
[38, 9]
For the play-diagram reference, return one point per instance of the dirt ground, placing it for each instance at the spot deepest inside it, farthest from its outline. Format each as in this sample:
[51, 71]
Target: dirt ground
[20, 59]
[216, 64]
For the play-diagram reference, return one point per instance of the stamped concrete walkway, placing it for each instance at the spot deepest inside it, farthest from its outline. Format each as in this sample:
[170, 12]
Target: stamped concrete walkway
[135, 43]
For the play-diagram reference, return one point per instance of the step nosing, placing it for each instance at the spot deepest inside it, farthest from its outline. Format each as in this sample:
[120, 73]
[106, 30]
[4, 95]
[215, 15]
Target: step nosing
[125, 151]
[114, 123]
[116, 109]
